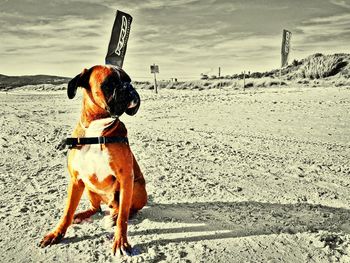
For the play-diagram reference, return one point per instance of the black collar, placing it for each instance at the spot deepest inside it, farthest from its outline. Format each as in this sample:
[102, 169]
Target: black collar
[74, 142]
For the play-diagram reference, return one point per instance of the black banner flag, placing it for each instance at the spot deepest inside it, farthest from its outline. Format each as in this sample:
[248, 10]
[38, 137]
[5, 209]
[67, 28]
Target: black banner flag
[286, 38]
[119, 39]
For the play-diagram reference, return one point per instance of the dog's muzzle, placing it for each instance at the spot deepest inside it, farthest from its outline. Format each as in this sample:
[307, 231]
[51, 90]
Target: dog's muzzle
[124, 99]
[135, 102]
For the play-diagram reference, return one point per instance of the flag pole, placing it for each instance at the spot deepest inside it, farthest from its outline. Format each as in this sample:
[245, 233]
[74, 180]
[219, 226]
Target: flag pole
[281, 76]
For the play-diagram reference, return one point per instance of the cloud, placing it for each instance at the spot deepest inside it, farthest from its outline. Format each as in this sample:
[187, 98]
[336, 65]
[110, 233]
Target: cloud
[43, 34]
[326, 29]
[53, 8]
[341, 3]
[68, 34]
[186, 37]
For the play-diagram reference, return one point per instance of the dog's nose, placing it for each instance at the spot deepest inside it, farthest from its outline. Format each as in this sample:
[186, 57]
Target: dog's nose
[133, 103]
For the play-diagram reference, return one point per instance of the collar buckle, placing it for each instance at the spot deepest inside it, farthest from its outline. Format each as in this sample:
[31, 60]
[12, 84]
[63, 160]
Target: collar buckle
[101, 140]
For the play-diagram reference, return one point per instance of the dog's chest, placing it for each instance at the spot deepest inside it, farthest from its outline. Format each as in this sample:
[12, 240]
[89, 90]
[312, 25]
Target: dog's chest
[92, 163]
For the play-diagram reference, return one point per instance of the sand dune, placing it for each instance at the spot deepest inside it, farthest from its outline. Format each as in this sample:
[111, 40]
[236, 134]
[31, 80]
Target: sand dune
[255, 176]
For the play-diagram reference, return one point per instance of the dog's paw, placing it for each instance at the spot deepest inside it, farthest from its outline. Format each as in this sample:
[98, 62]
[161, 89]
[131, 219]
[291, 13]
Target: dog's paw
[108, 222]
[84, 216]
[50, 239]
[121, 247]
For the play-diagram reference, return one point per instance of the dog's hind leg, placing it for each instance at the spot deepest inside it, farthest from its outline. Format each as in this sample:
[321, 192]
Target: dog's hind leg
[139, 196]
[95, 202]
[114, 210]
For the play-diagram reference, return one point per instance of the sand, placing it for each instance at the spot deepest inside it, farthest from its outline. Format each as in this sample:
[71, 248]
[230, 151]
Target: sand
[255, 176]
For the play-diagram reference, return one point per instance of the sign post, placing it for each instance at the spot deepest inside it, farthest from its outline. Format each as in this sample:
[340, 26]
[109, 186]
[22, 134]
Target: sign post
[154, 70]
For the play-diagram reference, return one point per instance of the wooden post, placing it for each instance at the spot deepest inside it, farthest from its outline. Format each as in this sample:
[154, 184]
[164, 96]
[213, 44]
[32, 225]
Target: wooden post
[155, 82]
[244, 80]
[155, 70]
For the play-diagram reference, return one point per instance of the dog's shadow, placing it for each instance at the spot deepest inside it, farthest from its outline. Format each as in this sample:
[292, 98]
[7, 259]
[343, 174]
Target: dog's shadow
[217, 220]
[77, 239]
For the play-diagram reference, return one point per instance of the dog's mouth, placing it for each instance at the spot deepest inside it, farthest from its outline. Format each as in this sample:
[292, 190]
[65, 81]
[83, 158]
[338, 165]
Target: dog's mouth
[112, 114]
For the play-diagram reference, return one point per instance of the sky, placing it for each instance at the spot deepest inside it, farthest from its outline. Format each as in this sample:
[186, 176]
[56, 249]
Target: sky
[184, 37]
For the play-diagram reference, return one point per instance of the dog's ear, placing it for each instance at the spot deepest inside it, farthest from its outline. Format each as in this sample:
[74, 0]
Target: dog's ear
[135, 101]
[80, 80]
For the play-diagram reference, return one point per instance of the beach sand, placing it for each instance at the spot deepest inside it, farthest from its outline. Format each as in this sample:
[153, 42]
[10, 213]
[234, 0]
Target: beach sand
[232, 176]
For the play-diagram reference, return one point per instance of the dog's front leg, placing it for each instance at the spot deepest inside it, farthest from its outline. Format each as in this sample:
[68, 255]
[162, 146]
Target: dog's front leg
[75, 191]
[120, 244]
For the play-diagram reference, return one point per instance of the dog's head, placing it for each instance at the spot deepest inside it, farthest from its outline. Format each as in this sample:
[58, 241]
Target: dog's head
[108, 88]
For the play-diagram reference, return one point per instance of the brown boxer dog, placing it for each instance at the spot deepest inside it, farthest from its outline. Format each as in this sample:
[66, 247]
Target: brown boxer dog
[108, 172]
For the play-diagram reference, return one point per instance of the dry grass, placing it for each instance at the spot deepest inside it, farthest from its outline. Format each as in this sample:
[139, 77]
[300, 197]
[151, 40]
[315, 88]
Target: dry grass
[322, 66]
[212, 84]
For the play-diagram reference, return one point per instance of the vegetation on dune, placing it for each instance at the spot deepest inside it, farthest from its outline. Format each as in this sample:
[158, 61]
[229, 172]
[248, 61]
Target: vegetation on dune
[314, 70]
[323, 66]
[10, 82]
[316, 66]
[212, 84]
